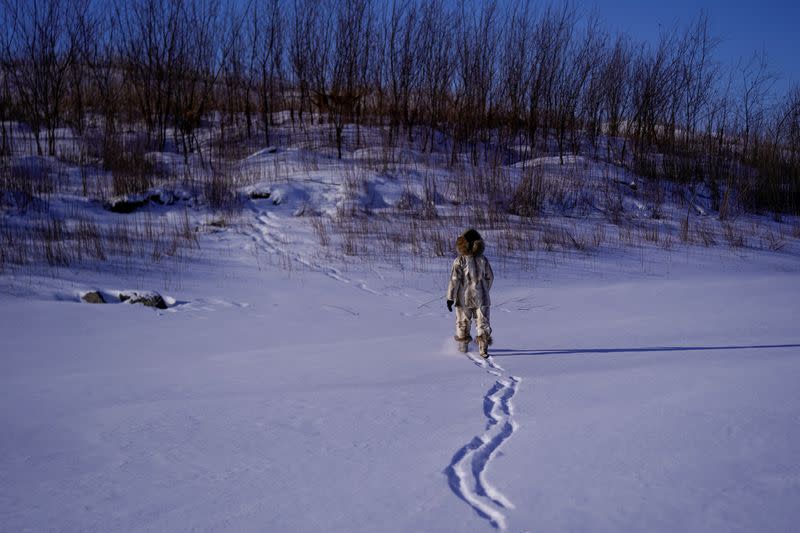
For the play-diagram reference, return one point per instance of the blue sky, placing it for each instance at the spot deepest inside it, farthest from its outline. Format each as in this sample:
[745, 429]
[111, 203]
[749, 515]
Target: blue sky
[743, 27]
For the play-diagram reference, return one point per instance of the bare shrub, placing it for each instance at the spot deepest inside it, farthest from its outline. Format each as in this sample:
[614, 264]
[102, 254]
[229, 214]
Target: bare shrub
[131, 171]
[626, 236]
[516, 239]
[321, 231]
[354, 185]
[685, 236]
[614, 208]
[505, 242]
[651, 233]
[725, 208]
[185, 231]
[415, 238]
[552, 238]
[354, 179]
[85, 179]
[598, 236]
[733, 236]
[428, 208]
[120, 239]
[165, 239]
[64, 241]
[654, 196]
[89, 239]
[646, 165]
[3, 253]
[706, 234]
[408, 201]
[666, 242]
[14, 246]
[423, 208]
[527, 197]
[349, 241]
[26, 181]
[460, 191]
[577, 239]
[772, 242]
[172, 245]
[497, 214]
[220, 192]
[567, 195]
[477, 216]
[52, 234]
[482, 184]
[439, 244]
[179, 236]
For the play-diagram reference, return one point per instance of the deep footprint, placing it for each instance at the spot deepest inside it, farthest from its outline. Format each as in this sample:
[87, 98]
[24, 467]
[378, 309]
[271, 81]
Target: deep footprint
[468, 468]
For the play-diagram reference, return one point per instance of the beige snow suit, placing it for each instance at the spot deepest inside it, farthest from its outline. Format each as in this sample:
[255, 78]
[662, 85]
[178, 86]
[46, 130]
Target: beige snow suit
[470, 281]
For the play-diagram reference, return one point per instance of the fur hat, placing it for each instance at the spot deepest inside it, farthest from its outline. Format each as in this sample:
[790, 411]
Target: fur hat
[470, 243]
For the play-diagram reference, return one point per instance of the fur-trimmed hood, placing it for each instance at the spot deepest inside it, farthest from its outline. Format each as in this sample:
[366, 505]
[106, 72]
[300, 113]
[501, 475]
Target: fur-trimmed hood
[470, 243]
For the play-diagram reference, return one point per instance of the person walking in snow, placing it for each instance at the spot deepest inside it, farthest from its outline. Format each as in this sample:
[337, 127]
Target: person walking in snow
[470, 281]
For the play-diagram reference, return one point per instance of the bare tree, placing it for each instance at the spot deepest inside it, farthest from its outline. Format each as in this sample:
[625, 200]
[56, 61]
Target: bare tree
[791, 126]
[235, 87]
[401, 74]
[551, 37]
[304, 21]
[435, 38]
[6, 98]
[475, 74]
[616, 90]
[267, 45]
[341, 73]
[652, 84]
[39, 50]
[82, 27]
[151, 43]
[515, 71]
[100, 54]
[702, 75]
[572, 75]
[206, 44]
[591, 107]
[757, 81]
[311, 49]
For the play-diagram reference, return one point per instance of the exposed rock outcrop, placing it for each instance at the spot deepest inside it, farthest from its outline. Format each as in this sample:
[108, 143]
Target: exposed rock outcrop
[149, 299]
[93, 297]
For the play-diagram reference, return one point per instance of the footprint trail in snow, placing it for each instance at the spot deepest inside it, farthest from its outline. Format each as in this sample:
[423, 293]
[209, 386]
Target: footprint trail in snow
[266, 232]
[467, 472]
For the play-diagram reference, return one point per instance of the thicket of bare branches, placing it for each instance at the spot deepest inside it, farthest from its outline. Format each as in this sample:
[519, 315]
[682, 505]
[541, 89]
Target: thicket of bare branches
[499, 81]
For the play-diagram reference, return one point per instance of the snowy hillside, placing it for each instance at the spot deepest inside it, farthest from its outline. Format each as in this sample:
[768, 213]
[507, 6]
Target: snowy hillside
[303, 376]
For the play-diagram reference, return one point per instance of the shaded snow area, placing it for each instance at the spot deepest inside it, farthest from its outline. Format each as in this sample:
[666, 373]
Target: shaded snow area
[286, 383]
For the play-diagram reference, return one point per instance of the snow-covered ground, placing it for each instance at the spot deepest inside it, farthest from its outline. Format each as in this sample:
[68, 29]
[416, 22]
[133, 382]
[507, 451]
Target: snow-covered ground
[268, 400]
[291, 388]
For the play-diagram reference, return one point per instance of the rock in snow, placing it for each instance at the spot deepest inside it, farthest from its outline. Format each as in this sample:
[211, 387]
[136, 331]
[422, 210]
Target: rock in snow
[93, 297]
[150, 299]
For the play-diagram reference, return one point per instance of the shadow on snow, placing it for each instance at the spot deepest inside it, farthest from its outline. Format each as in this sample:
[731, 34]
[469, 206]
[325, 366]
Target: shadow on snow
[578, 351]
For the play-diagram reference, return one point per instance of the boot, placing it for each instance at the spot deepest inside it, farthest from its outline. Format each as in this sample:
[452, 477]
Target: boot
[463, 343]
[483, 345]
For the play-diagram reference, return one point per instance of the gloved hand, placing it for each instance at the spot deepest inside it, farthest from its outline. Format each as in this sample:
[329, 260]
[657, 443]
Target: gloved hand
[450, 305]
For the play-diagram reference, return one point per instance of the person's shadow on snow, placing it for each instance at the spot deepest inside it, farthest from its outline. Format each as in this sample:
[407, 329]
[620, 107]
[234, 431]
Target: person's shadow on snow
[582, 351]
